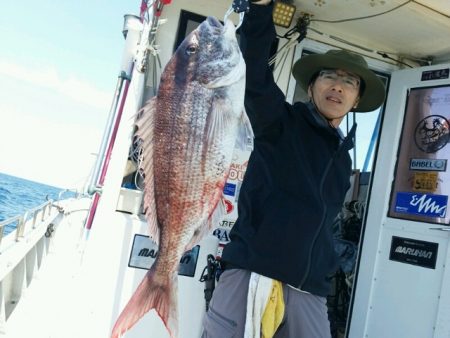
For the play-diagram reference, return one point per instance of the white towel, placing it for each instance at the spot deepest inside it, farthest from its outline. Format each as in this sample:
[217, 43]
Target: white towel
[259, 289]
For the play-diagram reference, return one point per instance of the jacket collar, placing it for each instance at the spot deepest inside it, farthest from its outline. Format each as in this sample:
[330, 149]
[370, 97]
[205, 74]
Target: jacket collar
[318, 120]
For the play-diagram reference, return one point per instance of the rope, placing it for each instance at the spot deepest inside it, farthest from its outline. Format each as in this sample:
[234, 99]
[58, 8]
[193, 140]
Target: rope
[365, 17]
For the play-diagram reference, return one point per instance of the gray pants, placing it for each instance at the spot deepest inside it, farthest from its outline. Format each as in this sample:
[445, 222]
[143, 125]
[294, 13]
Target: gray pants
[305, 314]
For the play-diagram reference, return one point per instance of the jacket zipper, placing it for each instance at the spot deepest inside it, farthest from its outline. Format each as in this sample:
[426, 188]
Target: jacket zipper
[325, 209]
[316, 235]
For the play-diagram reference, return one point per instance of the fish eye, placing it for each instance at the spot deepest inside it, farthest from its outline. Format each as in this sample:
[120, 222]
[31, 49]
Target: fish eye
[191, 49]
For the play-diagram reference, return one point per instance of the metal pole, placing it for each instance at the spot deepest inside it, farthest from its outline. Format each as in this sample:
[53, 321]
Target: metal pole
[108, 156]
[131, 32]
[106, 135]
[373, 140]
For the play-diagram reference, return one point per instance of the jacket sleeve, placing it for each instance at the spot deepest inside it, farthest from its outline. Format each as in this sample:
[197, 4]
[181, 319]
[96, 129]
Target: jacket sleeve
[264, 101]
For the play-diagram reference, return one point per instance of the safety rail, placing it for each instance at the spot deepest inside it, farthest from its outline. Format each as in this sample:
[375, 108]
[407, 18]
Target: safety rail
[76, 193]
[37, 213]
[24, 250]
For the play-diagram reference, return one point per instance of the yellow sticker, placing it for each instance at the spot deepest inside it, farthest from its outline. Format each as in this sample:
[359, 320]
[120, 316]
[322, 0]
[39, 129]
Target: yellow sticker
[425, 181]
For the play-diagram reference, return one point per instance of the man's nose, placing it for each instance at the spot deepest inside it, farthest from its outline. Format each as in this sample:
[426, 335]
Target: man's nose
[338, 85]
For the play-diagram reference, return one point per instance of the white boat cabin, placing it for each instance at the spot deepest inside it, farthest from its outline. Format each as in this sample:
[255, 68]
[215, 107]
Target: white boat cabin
[394, 230]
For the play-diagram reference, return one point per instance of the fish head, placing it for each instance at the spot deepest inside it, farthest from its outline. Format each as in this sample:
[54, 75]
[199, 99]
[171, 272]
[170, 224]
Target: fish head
[210, 55]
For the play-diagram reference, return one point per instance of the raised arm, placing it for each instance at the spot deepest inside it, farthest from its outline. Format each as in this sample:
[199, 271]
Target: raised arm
[264, 101]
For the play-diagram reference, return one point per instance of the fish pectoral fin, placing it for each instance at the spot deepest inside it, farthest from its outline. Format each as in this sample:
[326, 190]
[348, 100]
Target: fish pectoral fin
[217, 215]
[197, 236]
[219, 120]
[244, 140]
[212, 222]
[144, 133]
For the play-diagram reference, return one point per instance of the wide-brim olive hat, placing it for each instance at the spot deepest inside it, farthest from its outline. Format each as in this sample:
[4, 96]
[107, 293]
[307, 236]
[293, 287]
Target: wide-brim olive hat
[374, 91]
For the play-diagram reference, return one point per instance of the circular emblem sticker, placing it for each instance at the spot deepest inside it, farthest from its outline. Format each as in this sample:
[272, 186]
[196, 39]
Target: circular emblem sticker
[432, 133]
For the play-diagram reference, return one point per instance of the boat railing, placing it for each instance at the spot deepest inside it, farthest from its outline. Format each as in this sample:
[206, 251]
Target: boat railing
[74, 191]
[24, 250]
[27, 221]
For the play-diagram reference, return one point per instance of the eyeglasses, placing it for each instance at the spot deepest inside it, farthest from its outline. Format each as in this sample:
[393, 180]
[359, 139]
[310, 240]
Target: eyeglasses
[348, 81]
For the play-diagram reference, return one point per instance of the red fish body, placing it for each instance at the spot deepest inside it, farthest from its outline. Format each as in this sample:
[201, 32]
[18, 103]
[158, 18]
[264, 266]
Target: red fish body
[188, 132]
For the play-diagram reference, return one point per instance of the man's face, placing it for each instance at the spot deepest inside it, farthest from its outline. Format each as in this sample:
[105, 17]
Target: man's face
[335, 92]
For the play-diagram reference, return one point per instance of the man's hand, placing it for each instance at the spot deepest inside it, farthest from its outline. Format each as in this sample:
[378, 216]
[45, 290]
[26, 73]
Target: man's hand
[261, 2]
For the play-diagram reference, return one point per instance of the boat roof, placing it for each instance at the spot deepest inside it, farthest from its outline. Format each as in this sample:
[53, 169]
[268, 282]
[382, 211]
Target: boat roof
[404, 29]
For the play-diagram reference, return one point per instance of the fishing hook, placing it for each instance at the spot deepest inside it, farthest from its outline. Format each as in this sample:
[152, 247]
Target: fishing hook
[228, 13]
[238, 6]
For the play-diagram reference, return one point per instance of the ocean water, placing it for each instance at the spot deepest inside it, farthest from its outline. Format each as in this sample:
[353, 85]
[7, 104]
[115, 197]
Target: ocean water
[18, 195]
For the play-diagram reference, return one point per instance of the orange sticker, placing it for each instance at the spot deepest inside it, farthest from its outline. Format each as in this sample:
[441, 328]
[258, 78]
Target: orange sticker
[425, 181]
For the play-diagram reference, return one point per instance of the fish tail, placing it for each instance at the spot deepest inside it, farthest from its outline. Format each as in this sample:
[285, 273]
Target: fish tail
[152, 293]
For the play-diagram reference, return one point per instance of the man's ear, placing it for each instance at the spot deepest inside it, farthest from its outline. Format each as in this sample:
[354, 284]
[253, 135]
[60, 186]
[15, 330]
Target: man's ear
[356, 102]
[310, 91]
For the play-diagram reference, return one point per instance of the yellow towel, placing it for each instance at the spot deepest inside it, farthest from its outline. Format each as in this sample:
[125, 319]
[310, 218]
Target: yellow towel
[274, 311]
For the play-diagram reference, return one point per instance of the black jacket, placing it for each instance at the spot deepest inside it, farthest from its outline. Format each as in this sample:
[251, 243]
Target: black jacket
[296, 179]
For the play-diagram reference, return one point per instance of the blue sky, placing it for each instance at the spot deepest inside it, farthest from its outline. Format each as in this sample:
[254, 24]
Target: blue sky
[59, 62]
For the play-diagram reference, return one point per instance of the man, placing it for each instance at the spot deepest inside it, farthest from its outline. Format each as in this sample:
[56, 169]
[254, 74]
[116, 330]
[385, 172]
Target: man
[295, 184]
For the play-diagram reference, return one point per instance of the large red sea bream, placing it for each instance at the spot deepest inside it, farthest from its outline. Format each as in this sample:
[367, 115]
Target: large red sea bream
[189, 131]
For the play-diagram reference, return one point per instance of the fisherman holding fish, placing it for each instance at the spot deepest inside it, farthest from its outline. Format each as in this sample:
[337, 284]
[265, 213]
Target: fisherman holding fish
[294, 187]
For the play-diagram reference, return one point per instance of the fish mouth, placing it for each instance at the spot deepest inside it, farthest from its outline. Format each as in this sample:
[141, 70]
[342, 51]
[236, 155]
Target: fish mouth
[213, 22]
[228, 29]
[230, 52]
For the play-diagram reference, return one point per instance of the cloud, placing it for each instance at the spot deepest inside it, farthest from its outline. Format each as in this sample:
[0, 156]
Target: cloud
[45, 151]
[50, 126]
[48, 77]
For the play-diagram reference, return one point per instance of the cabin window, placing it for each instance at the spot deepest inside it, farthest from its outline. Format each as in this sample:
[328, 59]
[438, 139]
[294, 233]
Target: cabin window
[366, 133]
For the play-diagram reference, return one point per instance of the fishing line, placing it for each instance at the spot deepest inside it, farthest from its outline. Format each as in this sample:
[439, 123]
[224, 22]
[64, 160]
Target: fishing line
[284, 58]
[284, 49]
[295, 35]
[284, 55]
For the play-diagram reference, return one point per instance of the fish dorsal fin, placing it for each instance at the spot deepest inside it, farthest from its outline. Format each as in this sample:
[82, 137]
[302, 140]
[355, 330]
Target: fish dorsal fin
[144, 132]
[244, 140]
